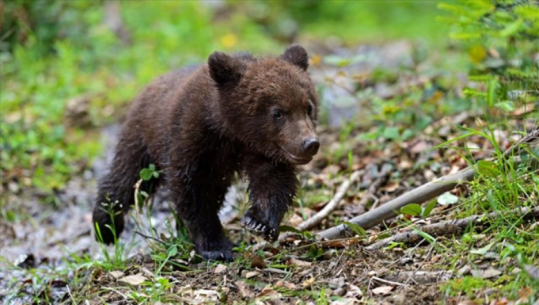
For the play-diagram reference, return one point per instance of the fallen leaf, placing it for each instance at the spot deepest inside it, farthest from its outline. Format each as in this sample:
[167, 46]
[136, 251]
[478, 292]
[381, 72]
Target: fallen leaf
[244, 290]
[206, 295]
[299, 263]
[308, 282]
[353, 292]
[134, 280]
[267, 291]
[419, 147]
[257, 262]
[116, 274]
[485, 274]
[251, 274]
[447, 198]
[390, 187]
[532, 271]
[220, 268]
[385, 290]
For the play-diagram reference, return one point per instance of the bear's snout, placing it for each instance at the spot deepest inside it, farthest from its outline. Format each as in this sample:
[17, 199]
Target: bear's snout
[310, 146]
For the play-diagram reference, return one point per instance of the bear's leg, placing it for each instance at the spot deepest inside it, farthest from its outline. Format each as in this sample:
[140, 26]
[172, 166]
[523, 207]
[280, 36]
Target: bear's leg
[198, 200]
[272, 188]
[116, 192]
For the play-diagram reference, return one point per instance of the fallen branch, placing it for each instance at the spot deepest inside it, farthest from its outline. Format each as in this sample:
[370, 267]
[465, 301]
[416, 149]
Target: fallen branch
[384, 281]
[451, 227]
[391, 208]
[332, 205]
[418, 195]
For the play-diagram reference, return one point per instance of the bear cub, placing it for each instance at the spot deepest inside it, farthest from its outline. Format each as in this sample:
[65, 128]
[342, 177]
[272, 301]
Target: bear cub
[199, 125]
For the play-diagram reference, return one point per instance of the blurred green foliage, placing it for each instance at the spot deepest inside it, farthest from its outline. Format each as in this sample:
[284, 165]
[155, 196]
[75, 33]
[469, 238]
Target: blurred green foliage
[501, 40]
[92, 57]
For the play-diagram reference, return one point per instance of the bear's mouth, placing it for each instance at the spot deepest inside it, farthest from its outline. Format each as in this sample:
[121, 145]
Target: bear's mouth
[295, 159]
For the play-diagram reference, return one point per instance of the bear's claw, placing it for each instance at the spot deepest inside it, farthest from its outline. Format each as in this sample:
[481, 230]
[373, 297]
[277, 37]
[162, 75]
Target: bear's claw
[226, 255]
[259, 228]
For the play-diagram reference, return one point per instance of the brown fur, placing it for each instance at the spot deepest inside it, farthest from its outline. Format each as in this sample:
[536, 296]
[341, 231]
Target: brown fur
[199, 126]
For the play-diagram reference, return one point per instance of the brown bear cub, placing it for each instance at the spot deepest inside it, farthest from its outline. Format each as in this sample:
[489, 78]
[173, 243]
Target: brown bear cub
[200, 125]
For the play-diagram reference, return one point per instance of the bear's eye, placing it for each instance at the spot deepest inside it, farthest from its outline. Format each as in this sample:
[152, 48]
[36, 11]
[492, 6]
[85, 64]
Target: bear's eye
[310, 110]
[277, 114]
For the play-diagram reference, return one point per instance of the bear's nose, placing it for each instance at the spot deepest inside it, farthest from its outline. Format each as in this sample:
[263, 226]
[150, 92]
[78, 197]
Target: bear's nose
[310, 146]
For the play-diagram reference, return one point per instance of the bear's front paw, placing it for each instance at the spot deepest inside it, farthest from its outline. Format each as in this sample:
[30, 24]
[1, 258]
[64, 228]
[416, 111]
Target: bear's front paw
[261, 227]
[216, 250]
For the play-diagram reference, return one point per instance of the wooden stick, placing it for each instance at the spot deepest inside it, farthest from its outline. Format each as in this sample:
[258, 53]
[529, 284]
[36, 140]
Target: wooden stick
[332, 205]
[450, 227]
[392, 207]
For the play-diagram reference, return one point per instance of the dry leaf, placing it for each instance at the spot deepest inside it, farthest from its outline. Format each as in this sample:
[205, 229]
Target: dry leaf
[117, 274]
[486, 274]
[244, 290]
[299, 263]
[257, 262]
[281, 283]
[532, 271]
[308, 282]
[390, 187]
[267, 291]
[524, 293]
[251, 274]
[385, 290]
[353, 292]
[220, 268]
[134, 280]
[206, 295]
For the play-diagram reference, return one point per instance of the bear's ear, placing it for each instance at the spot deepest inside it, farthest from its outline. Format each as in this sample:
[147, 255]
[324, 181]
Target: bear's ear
[224, 68]
[296, 55]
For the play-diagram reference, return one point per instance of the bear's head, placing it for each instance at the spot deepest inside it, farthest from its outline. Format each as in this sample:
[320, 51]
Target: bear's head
[268, 103]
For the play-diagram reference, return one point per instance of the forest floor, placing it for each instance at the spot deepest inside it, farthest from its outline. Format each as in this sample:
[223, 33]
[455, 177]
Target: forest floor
[389, 118]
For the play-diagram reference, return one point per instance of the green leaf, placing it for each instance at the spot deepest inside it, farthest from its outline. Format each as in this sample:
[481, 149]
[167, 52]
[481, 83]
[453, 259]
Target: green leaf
[412, 209]
[447, 198]
[488, 168]
[391, 133]
[146, 174]
[511, 29]
[465, 35]
[505, 105]
[355, 228]
[172, 251]
[289, 229]
[483, 250]
[428, 209]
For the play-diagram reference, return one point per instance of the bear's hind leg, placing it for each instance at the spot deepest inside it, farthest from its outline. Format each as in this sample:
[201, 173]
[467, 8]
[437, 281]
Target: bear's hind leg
[198, 204]
[116, 192]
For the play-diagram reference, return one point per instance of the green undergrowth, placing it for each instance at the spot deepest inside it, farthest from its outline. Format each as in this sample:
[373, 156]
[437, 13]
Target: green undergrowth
[499, 39]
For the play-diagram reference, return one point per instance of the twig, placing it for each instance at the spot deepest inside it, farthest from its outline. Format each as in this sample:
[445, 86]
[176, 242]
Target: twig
[373, 188]
[450, 227]
[388, 282]
[457, 120]
[332, 205]
[419, 195]
[152, 238]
